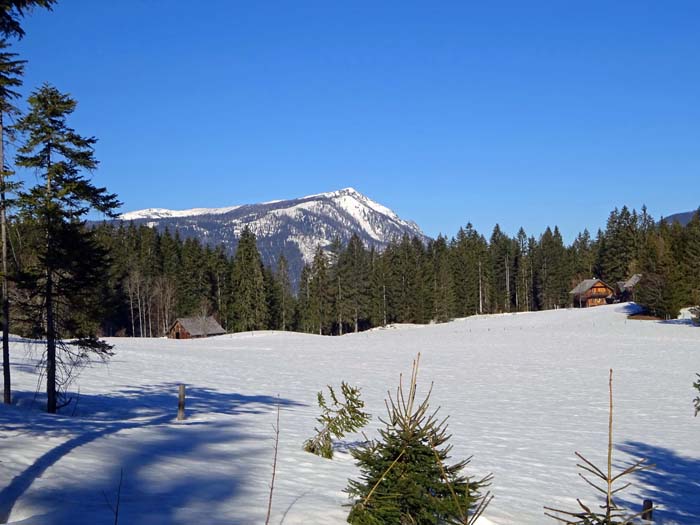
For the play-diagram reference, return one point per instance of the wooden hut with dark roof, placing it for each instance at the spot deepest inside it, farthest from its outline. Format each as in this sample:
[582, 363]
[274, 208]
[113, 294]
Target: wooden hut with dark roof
[194, 327]
[592, 292]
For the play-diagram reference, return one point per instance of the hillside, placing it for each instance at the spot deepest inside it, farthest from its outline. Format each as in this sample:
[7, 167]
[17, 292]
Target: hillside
[523, 391]
[293, 227]
[682, 218]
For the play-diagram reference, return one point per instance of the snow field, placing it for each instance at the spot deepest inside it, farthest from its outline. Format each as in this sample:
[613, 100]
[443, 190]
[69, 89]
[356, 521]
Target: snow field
[523, 391]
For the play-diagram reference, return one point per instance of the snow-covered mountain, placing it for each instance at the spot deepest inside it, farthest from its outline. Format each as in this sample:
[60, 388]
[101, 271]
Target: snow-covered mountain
[294, 227]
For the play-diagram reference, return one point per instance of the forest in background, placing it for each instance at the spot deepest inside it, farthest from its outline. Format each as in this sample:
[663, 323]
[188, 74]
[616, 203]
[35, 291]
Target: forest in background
[154, 278]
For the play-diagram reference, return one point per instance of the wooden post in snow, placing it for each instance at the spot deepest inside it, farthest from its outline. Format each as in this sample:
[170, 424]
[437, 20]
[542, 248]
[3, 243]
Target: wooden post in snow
[181, 404]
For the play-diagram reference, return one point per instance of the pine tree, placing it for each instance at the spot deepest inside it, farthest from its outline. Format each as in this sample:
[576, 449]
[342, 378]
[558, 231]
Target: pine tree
[248, 283]
[659, 291]
[69, 263]
[405, 477]
[619, 251]
[11, 11]
[286, 295]
[523, 286]
[354, 274]
[337, 419]
[11, 71]
[320, 294]
[304, 313]
[502, 264]
[379, 276]
[690, 260]
[442, 286]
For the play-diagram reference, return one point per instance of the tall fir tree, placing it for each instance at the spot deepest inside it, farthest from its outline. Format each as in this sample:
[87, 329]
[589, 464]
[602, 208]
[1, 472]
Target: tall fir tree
[248, 285]
[69, 263]
[12, 11]
[320, 294]
[354, 272]
[443, 298]
[11, 71]
[286, 294]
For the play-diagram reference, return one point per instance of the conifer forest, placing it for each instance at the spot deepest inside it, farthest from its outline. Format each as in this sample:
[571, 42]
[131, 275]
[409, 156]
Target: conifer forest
[154, 278]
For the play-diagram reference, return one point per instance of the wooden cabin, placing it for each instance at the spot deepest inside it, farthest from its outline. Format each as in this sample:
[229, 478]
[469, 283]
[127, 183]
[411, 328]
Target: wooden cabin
[592, 292]
[194, 327]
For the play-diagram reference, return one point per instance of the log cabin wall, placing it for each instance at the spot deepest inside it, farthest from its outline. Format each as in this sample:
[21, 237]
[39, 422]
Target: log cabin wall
[178, 332]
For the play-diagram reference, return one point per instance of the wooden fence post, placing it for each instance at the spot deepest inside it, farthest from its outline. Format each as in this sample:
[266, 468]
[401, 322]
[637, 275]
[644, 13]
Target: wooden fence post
[647, 510]
[181, 404]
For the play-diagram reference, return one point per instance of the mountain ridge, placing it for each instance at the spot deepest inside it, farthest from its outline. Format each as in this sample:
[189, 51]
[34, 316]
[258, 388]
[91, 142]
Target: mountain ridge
[293, 227]
[683, 218]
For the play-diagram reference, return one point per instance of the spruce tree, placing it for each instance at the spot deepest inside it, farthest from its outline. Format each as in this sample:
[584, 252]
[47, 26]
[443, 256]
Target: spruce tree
[354, 271]
[11, 71]
[405, 477]
[658, 290]
[320, 293]
[690, 260]
[443, 298]
[523, 286]
[248, 283]
[286, 295]
[378, 300]
[337, 419]
[304, 313]
[69, 263]
[11, 11]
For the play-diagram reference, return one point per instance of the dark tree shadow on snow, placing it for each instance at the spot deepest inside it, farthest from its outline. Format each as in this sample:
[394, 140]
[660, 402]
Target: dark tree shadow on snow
[162, 442]
[673, 484]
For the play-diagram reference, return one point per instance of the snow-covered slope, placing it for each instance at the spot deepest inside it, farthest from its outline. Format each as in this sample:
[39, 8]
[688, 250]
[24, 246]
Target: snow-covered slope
[294, 227]
[523, 391]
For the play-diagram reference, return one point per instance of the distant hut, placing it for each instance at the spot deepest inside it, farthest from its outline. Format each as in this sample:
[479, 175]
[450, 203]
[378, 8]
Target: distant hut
[194, 327]
[592, 292]
[626, 289]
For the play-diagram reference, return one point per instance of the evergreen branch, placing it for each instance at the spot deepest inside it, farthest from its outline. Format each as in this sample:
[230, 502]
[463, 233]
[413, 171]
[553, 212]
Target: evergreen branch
[592, 484]
[382, 477]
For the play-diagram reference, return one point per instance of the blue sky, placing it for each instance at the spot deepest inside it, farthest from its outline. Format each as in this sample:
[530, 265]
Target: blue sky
[521, 113]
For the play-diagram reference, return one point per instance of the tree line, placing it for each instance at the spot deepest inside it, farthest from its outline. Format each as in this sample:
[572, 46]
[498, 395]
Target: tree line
[153, 278]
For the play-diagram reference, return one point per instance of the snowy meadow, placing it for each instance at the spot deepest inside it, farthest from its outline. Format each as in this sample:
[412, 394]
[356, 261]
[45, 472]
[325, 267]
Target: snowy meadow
[523, 392]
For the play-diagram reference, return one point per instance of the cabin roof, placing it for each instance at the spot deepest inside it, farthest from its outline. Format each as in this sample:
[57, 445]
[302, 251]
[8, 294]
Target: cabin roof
[200, 325]
[586, 285]
[632, 281]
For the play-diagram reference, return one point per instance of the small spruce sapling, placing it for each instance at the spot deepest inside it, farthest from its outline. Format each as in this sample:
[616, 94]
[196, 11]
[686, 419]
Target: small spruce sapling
[609, 513]
[337, 419]
[404, 476]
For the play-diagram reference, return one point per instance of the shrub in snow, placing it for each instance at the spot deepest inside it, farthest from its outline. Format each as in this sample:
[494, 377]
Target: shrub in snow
[696, 385]
[404, 475]
[608, 513]
[337, 419]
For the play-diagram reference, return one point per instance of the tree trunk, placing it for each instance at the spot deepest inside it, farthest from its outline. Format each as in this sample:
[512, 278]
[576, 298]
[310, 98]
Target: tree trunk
[340, 306]
[5, 299]
[507, 301]
[481, 302]
[384, 302]
[50, 346]
[51, 401]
